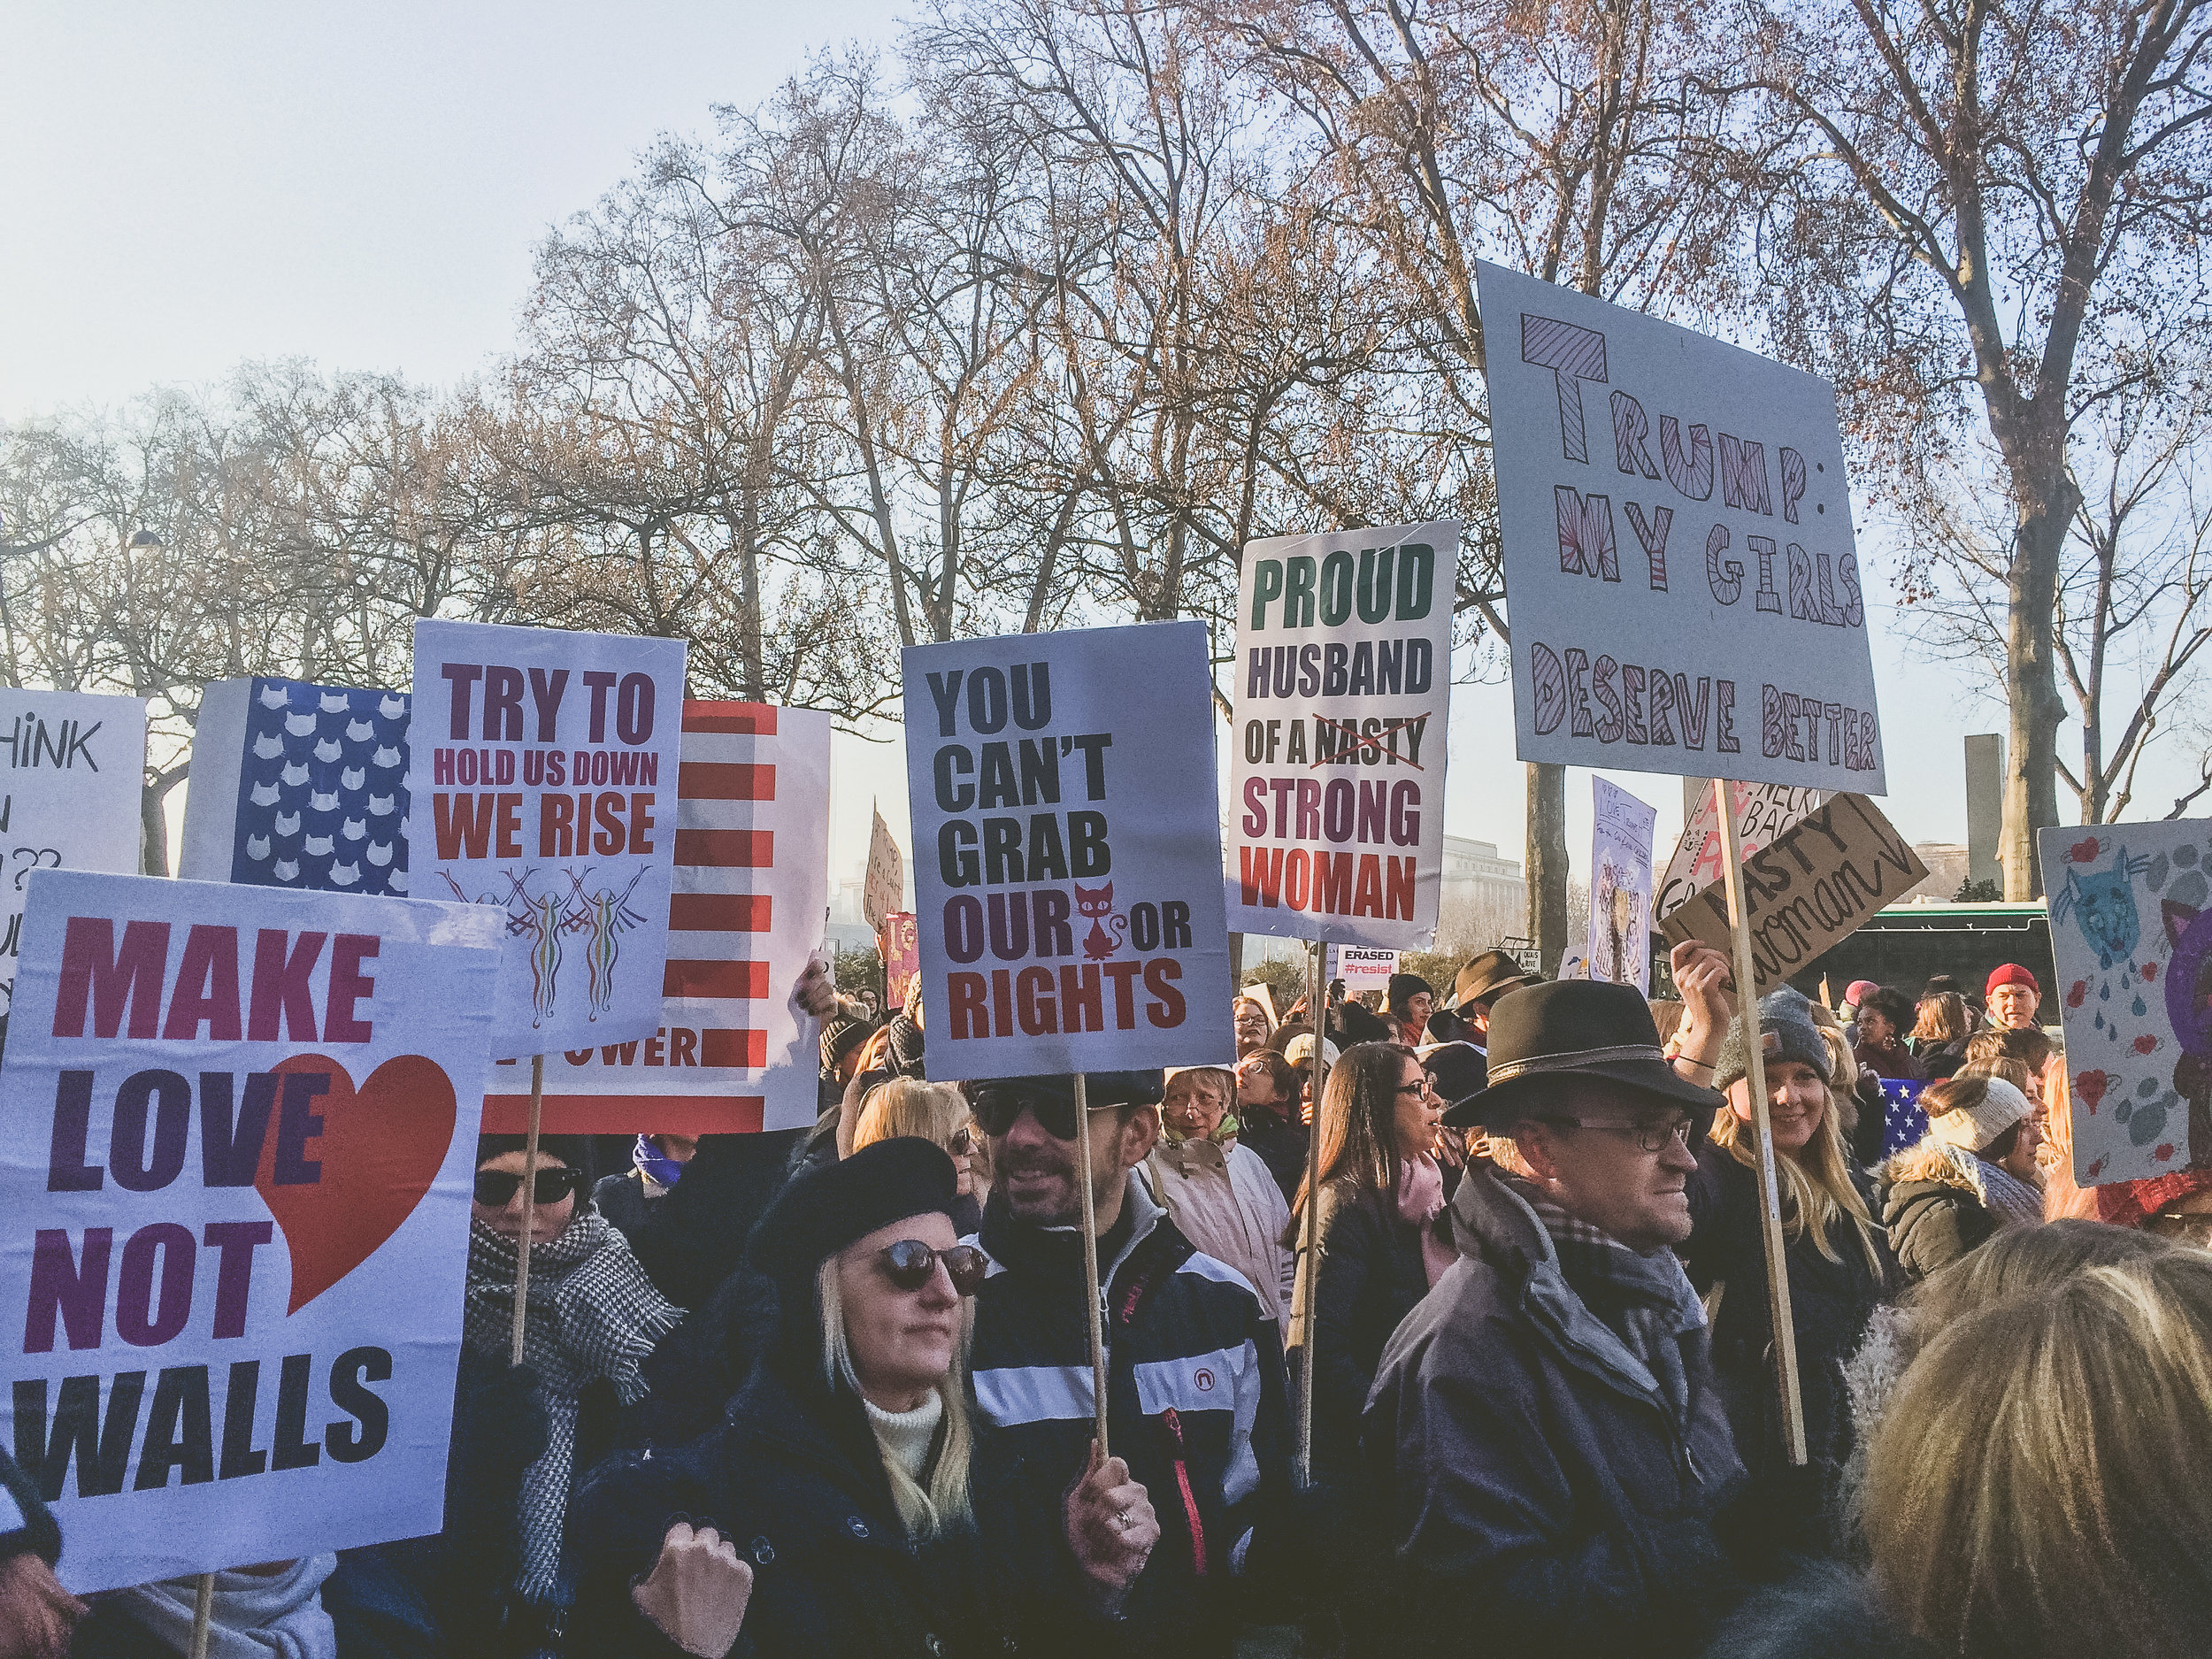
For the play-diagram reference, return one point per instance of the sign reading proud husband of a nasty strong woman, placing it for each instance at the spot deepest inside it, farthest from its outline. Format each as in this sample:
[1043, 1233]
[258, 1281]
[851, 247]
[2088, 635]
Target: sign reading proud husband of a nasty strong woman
[1683, 590]
[1342, 683]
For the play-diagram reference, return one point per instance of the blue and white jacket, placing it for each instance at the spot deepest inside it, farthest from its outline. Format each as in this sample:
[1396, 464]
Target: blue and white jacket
[1197, 1404]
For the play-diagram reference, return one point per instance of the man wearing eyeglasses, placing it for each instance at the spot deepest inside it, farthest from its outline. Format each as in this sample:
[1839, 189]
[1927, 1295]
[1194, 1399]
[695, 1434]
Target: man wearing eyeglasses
[1195, 1395]
[1543, 1426]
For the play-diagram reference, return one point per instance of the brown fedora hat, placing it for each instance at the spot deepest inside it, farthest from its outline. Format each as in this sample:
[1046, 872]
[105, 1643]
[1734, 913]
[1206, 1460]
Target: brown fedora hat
[1573, 1028]
[1491, 974]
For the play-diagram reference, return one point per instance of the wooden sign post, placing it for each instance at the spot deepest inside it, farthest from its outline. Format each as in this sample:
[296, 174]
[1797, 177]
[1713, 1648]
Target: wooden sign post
[529, 1207]
[1316, 1013]
[1091, 1299]
[1763, 1125]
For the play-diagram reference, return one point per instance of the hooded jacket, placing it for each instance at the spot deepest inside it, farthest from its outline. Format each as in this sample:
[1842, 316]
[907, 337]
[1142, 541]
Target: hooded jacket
[1932, 1223]
[1528, 1478]
[793, 1479]
[1195, 1397]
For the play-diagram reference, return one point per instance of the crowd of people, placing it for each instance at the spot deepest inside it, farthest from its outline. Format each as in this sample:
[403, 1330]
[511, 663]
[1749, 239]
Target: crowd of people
[832, 1392]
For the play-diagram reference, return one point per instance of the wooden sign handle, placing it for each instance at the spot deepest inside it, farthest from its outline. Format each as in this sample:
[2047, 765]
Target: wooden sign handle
[529, 1207]
[1093, 1301]
[1763, 1125]
[1317, 1014]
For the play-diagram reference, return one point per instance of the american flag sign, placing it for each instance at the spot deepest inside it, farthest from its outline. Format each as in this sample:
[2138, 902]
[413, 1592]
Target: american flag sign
[734, 1053]
[1903, 1123]
[299, 786]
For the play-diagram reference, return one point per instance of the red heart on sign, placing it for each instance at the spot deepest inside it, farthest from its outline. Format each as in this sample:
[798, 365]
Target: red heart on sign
[378, 1148]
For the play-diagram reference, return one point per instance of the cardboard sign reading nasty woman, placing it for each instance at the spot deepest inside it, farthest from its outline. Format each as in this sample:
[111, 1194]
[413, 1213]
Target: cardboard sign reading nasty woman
[542, 776]
[1816, 885]
[1067, 870]
[1343, 687]
[237, 1130]
[1685, 587]
[2131, 936]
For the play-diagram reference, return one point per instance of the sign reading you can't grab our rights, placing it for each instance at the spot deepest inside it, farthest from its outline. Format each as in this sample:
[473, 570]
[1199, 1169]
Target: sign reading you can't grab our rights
[1686, 592]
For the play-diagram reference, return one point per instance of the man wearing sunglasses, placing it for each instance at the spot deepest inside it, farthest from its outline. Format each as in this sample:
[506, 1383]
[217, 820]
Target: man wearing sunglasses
[1543, 1426]
[1195, 1395]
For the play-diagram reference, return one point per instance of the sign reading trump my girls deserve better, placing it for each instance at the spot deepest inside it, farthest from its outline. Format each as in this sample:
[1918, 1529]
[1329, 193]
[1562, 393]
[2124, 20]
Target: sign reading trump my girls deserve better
[1067, 870]
[71, 765]
[237, 1129]
[1342, 687]
[1685, 591]
[542, 776]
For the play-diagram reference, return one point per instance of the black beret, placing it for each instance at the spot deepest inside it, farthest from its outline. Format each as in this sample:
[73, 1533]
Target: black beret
[828, 1207]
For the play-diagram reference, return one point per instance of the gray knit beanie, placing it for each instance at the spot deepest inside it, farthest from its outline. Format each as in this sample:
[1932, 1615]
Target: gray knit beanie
[1786, 1023]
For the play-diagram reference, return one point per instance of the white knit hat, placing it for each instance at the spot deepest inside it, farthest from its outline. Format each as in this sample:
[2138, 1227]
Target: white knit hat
[1974, 1127]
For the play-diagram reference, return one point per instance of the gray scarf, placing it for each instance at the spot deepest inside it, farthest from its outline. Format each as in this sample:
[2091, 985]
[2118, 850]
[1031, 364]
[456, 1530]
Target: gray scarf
[592, 1313]
[1645, 1301]
[2011, 1199]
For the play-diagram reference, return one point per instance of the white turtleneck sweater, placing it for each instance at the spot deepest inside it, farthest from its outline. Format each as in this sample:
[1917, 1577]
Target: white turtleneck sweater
[905, 1436]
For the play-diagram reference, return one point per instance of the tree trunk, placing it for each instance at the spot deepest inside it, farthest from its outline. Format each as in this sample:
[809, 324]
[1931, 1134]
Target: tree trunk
[2032, 684]
[153, 840]
[1547, 861]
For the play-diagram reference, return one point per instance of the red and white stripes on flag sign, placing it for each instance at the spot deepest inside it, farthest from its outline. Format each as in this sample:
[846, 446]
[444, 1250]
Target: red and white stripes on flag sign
[734, 1053]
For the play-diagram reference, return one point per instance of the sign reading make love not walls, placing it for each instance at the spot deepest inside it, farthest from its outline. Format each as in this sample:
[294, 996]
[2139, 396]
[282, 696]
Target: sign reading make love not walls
[734, 1051]
[237, 1128]
[1342, 683]
[1686, 589]
[1067, 851]
[542, 776]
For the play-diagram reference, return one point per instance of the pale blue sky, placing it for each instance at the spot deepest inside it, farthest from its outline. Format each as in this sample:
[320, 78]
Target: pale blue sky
[185, 188]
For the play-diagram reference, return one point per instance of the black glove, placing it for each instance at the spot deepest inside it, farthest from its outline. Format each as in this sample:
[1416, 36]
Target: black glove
[1783, 1516]
[507, 1419]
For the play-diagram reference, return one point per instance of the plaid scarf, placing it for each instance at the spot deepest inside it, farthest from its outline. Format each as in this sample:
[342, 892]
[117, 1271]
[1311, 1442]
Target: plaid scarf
[592, 1313]
[1645, 1301]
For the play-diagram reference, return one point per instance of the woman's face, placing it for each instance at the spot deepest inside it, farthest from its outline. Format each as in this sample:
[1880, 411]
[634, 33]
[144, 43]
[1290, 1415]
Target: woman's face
[2021, 1160]
[1875, 1028]
[902, 1342]
[1194, 1105]
[548, 1222]
[961, 1147]
[1418, 1111]
[1251, 1026]
[1796, 1102]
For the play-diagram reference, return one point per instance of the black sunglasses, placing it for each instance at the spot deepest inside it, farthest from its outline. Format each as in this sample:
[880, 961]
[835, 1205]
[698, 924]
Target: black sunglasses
[909, 1262]
[995, 1111]
[496, 1189]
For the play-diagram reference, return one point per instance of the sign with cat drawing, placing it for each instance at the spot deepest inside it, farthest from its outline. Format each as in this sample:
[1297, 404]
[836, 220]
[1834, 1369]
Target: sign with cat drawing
[1067, 868]
[2131, 935]
[1342, 683]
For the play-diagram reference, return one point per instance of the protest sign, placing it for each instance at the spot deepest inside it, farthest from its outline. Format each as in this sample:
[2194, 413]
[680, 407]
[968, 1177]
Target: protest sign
[733, 1051]
[299, 785]
[1342, 687]
[900, 946]
[71, 765]
[2131, 935]
[1817, 884]
[886, 884]
[1763, 811]
[541, 782]
[237, 1133]
[1619, 946]
[1068, 886]
[1685, 591]
[1362, 967]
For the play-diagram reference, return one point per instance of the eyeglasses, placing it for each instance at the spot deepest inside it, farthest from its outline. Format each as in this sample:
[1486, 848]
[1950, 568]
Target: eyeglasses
[1683, 1132]
[496, 1189]
[909, 1263]
[997, 1110]
[1422, 1087]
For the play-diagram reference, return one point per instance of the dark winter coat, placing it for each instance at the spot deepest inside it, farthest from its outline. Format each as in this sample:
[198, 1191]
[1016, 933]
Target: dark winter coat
[794, 1480]
[692, 1239]
[1196, 1398]
[1280, 1143]
[1931, 1224]
[1829, 1305]
[1368, 1277]
[1543, 1502]
[622, 1200]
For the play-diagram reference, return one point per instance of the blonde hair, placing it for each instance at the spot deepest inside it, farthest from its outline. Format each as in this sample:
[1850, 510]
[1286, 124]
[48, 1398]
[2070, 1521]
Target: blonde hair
[2029, 1490]
[944, 1505]
[907, 1106]
[1817, 1193]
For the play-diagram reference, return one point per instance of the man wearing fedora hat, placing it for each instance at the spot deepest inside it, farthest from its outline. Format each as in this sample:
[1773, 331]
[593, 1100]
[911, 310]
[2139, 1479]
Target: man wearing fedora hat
[1543, 1426]
[1485, 978]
